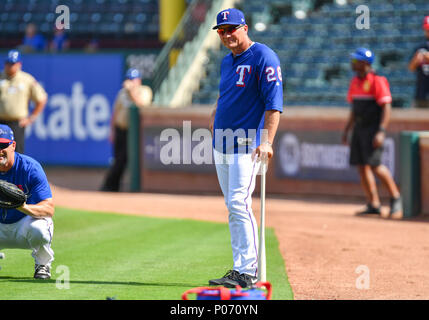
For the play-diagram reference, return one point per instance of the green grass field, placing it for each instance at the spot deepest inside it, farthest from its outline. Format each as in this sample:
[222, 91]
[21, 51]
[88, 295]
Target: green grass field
[130, 257]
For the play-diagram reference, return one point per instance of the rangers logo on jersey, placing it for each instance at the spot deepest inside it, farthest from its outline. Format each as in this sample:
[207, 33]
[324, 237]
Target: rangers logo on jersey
[241, 71]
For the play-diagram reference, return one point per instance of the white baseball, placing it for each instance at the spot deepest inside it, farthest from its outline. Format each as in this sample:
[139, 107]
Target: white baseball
[2, 256]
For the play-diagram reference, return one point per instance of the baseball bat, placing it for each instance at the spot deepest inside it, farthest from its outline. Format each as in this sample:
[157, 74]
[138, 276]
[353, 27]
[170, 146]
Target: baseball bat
[262, 271]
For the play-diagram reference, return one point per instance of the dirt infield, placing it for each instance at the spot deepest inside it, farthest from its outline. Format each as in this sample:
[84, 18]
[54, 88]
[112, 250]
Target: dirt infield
[322, 242]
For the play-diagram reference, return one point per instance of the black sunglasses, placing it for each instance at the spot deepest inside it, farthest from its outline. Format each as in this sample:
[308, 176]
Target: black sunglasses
[4, 145]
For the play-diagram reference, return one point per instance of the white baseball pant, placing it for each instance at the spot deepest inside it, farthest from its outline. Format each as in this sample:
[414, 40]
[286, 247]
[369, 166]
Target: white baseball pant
[30, 233]
[237, 175]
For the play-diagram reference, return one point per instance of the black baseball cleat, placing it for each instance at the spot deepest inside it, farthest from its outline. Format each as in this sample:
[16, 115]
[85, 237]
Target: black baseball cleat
[42, 272]
[370, 209]
[396, 210]
[246, 281]
[230, 280]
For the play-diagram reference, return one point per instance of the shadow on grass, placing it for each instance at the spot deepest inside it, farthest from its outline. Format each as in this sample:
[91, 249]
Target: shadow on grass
[130, 283]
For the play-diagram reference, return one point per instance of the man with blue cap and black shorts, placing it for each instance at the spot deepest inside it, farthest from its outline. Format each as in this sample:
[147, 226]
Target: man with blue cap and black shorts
[244, 125]
[132, 93]
[29, 226]
[371, 101]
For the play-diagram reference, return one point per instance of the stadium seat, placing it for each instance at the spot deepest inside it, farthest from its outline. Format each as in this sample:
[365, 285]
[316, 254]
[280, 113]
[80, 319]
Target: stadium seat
[84, 14]
[315, 52]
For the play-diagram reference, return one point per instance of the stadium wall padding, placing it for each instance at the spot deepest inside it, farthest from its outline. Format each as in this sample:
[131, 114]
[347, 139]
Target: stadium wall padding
[321, 127]
[410, 173]
[424, 171]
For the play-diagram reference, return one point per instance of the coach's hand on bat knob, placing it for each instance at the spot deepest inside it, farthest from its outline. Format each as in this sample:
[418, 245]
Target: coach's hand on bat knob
[263, 153]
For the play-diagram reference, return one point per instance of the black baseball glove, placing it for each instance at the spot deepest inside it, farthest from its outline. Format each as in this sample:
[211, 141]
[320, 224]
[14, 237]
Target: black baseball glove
[11, 196]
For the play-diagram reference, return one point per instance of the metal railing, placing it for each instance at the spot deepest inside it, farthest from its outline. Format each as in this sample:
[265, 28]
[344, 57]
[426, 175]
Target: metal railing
[185, 32]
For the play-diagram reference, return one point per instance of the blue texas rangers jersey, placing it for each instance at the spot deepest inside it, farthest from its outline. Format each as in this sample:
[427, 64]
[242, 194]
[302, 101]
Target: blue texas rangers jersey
[28, 175]
[250, 84]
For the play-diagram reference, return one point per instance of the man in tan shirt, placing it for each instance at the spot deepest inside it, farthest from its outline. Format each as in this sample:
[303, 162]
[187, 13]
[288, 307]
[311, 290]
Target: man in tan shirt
[17, 88]
[132, 93]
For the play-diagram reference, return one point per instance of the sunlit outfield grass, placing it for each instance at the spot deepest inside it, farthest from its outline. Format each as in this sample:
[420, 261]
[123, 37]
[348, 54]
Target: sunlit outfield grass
[130, 257]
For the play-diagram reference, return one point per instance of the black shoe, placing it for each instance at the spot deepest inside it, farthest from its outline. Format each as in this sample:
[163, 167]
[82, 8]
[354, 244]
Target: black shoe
[42, 272]
[396, 210]
[230, 279]
[395, 205]
[108, 189]
[370, 209]
[246, 280]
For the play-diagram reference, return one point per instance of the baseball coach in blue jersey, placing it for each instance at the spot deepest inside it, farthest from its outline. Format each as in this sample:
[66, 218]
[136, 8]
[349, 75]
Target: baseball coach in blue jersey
[29, 226]
[244, 124]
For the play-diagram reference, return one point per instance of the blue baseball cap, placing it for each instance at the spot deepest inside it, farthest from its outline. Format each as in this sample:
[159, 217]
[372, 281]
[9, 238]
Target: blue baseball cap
[363, 54]
[133, 73]
[6, 134]
[230, 16]
[13, 56]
